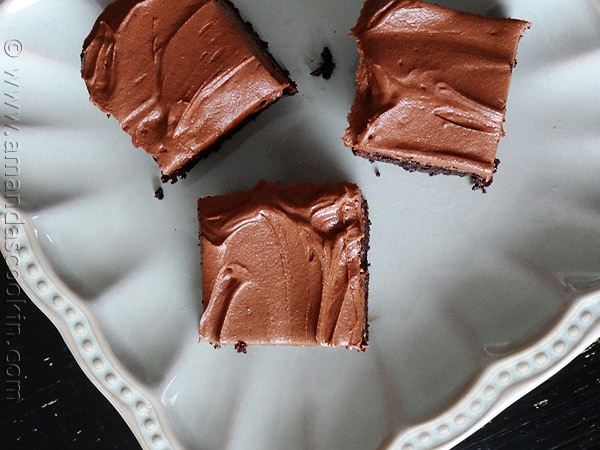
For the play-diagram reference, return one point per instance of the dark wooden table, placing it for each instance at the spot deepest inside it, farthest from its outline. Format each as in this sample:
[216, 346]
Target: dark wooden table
[59, 408]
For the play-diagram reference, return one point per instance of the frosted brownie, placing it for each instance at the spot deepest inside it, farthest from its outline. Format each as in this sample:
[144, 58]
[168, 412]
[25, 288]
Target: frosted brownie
[285, 266]
[432, 85]
[179, 76]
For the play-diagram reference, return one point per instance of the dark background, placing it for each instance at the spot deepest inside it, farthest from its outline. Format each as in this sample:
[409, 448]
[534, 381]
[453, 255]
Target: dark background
[59, 408]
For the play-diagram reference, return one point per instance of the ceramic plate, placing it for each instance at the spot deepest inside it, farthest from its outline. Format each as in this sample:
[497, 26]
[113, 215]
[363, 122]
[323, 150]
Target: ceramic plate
[474, 298]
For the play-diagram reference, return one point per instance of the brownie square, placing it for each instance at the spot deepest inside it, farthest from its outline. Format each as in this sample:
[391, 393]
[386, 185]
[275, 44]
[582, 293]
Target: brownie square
[179, 76]
[432, 85]
[285, 266]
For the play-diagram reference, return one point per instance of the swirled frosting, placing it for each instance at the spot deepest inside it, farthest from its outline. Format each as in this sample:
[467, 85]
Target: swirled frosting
[285, 266]
[432, 85]
[178, 75]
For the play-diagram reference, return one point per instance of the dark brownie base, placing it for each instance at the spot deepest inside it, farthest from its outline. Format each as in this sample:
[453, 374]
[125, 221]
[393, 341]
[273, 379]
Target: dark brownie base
[412, 166]
[364, 266]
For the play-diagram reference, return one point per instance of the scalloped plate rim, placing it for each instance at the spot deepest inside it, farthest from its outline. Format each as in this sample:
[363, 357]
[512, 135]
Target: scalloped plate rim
[508, 377]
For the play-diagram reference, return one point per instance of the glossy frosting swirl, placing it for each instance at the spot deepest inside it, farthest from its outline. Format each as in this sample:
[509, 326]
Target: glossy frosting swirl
[285, 266]
[432, 85]
[178, 75]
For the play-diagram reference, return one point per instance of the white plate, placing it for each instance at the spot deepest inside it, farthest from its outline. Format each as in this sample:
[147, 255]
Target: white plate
[474, 299]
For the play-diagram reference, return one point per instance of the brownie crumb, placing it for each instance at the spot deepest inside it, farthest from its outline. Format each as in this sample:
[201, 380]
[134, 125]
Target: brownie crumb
[159, 193]
[177, 174]
[326, 67]
[377, 172]
[241, 347]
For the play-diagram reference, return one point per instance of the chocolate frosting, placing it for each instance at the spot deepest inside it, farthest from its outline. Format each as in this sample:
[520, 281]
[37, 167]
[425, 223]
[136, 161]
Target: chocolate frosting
[432, 85]
[178, 75]
[285, 266]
